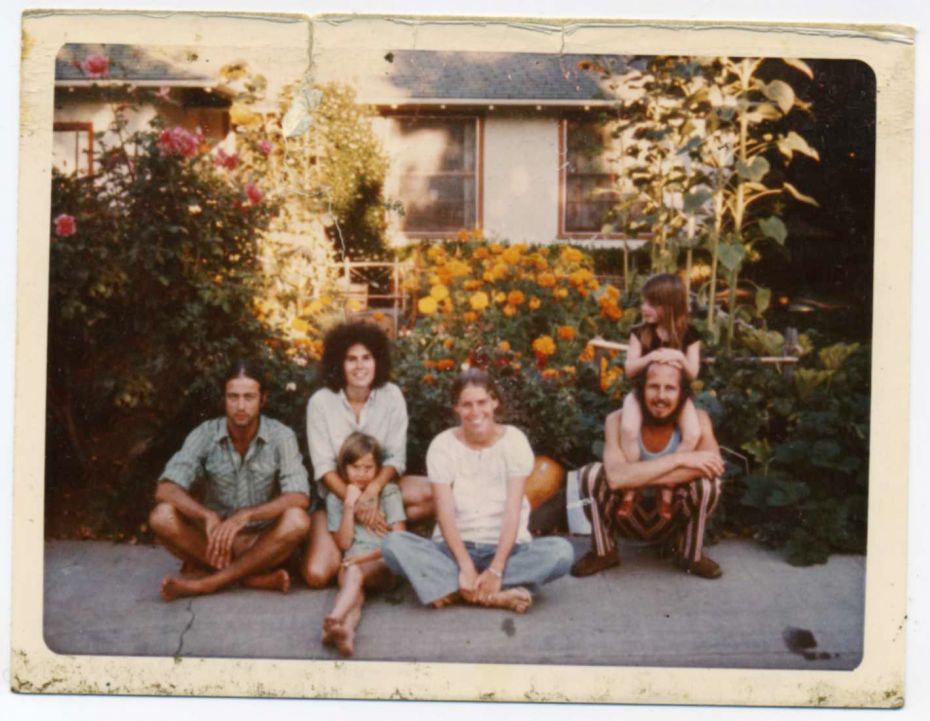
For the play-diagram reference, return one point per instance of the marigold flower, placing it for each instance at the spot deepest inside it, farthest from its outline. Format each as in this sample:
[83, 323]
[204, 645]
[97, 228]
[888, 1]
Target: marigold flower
[471, 284]
[427, 305]
[378, 316]
[610, 309]
[579, 277]
[504, 346]
[535, 303]
[515, 297]
[495, 247]
[550, 374]
[480, 253]
[570, 254]
[566, 332]
[439, 292]
[511, 256]
[95, 65]
[65, 225]
[560, 293]
[429, 379]
[447, 343]
[458, 268]
[479, 300]
[500, 297]
[544, 345]
[300, 325]
[446, 364]
[510, 311]
[546, 280]
[499, 271]
[469, 316]
[587, 355]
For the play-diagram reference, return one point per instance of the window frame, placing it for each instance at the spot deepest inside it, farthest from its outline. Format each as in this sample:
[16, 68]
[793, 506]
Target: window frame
[478, 121]
[77, 127]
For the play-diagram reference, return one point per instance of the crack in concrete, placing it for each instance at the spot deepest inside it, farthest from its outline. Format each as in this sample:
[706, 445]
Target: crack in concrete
[190, 610]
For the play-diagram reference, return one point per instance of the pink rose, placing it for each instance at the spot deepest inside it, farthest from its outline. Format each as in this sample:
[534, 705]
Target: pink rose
[178, 141]
[65, 225]
[253, 193]
[265, 147]
[96, 65]
[224, 160]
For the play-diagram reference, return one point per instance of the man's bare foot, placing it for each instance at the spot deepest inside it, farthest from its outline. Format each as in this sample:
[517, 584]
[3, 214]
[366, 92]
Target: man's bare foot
[277, 580]
[449, 600]
[189, 569]
[336, 634]
[516, 599]
[173, 587]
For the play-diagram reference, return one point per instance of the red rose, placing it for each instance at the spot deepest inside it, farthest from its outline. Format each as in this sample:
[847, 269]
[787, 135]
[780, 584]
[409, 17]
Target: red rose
[253, 193]
[65, 225]
[224, 160]
[96, 65]
[178, 141]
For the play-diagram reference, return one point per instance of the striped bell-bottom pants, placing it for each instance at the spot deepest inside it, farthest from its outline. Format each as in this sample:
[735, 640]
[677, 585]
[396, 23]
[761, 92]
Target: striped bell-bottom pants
[692, 504]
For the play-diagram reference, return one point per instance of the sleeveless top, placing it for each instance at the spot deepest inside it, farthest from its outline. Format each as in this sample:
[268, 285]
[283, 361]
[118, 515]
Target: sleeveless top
[691, 336]
[648, 492]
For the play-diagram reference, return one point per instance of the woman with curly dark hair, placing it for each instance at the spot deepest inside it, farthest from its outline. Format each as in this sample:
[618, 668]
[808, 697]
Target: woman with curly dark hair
[356, 396]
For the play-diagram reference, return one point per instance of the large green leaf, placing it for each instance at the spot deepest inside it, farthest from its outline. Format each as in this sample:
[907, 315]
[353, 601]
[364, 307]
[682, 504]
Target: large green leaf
[793, 143]
[798, 64]
[731, 255]
[798, 195]
[773, 227]
[755, 170]
[695, 199]
[781, 93]
[763, 300]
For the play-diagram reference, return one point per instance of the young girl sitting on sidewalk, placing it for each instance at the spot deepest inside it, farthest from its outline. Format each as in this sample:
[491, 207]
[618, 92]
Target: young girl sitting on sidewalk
[358, 463]
[664, 336]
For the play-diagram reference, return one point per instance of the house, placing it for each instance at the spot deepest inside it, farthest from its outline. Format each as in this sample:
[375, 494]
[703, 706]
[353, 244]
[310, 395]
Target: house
[507, 142]
[95, 82]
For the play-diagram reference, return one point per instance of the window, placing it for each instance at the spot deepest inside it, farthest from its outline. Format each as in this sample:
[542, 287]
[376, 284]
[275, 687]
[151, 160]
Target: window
[73, 148]
[434, 173]
[592, 181]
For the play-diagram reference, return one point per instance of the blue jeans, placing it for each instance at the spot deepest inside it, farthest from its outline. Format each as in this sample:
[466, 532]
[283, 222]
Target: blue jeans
[432, 571]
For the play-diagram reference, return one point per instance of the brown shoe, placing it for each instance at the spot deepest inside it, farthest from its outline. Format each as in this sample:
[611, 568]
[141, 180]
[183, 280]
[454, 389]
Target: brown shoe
[705, 568]
[625, 509]
[591, 563]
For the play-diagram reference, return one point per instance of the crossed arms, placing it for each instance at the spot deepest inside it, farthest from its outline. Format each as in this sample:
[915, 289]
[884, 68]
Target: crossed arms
[678, 467]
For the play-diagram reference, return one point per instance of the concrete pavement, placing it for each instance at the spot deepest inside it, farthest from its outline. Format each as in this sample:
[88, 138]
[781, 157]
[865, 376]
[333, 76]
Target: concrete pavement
[102, 598]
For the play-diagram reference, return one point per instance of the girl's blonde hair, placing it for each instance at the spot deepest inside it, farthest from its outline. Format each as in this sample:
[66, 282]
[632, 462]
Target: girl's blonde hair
[357, 445]
[666, 293]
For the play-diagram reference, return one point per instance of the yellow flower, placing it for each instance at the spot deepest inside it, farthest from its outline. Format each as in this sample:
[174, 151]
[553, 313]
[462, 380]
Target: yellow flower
[458, 268]
[571, 255]
[579, 277]
[510, 311]
[299, 324]
[479, 300]
[427, 305]
[511, 256]
[500, 297]
[515, 297]
[566, 332]
[610, 309]
[499, 271]
[504, 346]
[587, 355]
[560, 293]
[546, 280]
[439, 292]
[436, 253]
[495, 247]
[611, 292]
[480, 253]
[471, 284]
[544, 345]
[535, 303]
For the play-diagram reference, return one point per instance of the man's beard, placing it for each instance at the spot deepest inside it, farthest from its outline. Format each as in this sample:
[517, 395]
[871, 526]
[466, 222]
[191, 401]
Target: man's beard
[669, 420]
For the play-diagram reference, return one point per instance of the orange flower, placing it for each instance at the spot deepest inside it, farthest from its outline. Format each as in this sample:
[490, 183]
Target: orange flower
[515, 297]
[429, 378]
[436, 253]
[378, 316]
[458, 268]
[469, 316]
[499, 271]
[471, 284]
[448, 343]
[580, 277]
[587, 355]
[550, 374]
[446, 364]
[495, 247]
[427, 305]
[535, 303]
[566, 332]
[480, 253]
[510, 311]
[546, 280]
[504, 346]
[560, 293]
[544, 345]
[571, 255]
[511, 256]
[610, 309]
[500, 297]
[479, 301]
[429, 363]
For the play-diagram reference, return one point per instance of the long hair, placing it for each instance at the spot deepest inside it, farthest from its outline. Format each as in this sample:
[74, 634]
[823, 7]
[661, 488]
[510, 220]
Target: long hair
[666, 293]
[357, 445]
[475, 376]
[337, 344]
[243, 368]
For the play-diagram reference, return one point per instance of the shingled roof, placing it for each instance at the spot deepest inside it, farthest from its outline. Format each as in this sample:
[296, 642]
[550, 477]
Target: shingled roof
[423, 76]
[128, 64]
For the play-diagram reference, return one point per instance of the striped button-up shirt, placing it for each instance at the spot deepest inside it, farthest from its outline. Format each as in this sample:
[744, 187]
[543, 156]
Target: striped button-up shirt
[272, 465]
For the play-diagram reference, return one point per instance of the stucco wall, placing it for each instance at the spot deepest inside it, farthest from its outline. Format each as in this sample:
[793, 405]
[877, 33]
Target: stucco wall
[521, 177]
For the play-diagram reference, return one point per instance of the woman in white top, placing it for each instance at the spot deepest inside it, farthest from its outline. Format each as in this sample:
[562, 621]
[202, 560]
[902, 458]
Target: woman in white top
[356, 396]
[481, 551]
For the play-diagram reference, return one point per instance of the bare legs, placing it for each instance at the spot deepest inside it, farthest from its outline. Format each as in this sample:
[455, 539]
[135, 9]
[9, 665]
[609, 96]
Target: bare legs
[418, 498]
[254, 555]
[320, 563]
[340, 624]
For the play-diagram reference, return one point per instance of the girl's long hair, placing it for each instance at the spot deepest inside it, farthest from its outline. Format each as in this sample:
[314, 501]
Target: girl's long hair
[356, 446]
[666, 293]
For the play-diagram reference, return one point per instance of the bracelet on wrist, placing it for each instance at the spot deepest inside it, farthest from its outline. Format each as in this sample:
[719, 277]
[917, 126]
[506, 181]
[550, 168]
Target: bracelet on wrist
[495, 572]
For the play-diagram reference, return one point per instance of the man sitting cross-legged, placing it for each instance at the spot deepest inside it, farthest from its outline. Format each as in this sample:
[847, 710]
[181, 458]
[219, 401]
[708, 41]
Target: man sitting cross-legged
[256, 494]
[694, 476]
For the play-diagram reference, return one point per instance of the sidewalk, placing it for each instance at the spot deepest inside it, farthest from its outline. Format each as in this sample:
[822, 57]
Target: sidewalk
[102, 598]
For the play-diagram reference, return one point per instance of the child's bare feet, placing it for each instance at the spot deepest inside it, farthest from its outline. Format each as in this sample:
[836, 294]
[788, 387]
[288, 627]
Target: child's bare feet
[277, 580]
[189, 569]
[449, 600]
[335, 633]
[516, 599]
[329, 623]
[665, 503]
